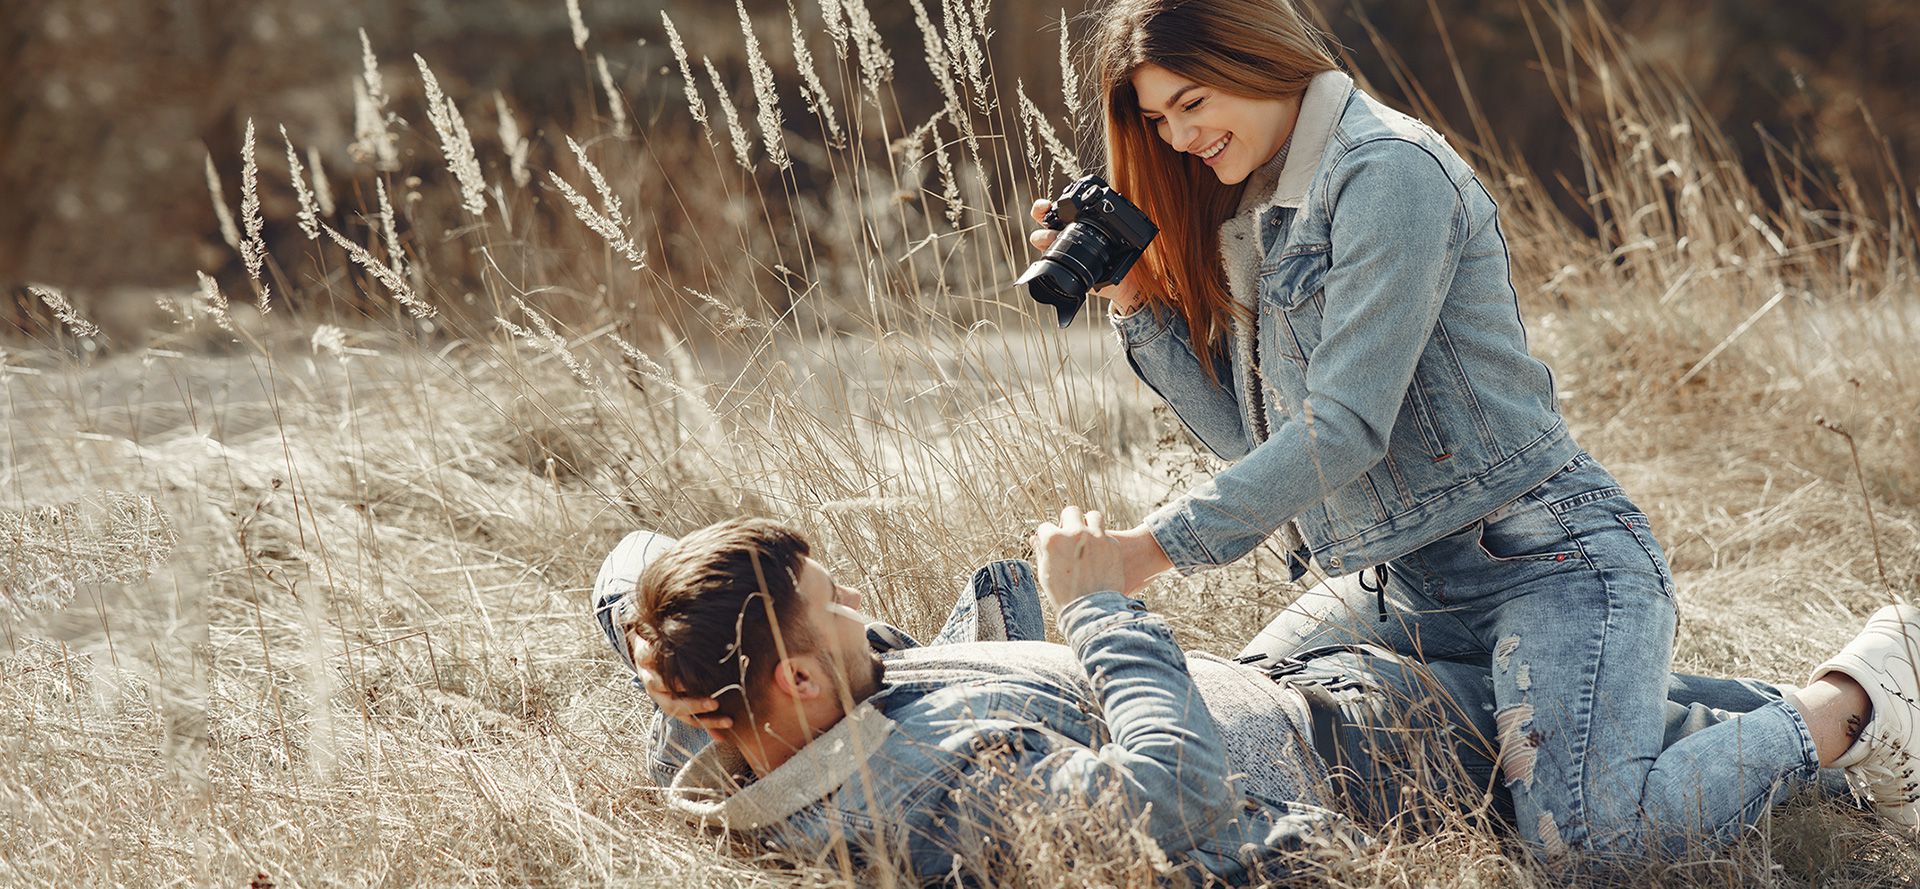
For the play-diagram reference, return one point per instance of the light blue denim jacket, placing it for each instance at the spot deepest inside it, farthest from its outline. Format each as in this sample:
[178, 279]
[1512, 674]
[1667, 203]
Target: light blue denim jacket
[1400, 398]
[926, 772]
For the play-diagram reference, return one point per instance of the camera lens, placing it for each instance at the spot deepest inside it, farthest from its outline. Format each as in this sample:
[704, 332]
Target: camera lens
[1061, 276]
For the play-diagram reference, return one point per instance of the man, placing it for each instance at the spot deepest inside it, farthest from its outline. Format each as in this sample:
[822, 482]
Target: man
[916, 756]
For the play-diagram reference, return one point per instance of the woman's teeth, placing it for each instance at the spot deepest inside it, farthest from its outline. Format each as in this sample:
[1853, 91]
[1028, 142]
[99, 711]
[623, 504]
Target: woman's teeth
[1217, 147]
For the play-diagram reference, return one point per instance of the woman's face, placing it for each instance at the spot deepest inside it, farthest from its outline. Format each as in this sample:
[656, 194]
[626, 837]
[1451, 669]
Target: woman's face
[1234, 135]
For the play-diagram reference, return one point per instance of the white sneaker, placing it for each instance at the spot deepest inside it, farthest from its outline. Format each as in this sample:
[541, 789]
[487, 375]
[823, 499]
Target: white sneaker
[1883, 765]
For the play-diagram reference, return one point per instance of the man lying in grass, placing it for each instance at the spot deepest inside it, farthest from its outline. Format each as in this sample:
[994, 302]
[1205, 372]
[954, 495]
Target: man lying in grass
[839, 740]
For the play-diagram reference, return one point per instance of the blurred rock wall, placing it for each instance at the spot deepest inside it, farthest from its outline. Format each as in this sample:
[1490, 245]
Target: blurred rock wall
[108, 107]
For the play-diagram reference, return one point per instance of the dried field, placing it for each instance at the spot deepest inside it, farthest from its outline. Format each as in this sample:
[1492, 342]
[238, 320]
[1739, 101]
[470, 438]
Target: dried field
[303, 594]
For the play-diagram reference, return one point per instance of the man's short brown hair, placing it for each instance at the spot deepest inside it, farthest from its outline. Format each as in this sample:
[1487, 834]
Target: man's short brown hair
[707, 607]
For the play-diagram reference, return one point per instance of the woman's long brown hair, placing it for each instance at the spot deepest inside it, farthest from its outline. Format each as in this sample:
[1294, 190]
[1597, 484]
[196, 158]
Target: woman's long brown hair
[1258, 48]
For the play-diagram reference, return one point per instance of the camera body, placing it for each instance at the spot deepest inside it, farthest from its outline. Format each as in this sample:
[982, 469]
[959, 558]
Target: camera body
[1102, 235]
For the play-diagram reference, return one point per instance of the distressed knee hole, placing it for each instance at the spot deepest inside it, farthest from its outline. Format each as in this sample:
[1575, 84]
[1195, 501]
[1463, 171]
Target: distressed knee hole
[1551, 841]
[1523, 676]
[1503, 652]
[1519, 745]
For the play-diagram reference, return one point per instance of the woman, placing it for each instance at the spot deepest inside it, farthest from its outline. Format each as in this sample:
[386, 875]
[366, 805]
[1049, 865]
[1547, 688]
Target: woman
[1329, 305]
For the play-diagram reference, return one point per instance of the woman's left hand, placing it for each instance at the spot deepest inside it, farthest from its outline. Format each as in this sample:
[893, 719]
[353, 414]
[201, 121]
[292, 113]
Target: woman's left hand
[1141, 558]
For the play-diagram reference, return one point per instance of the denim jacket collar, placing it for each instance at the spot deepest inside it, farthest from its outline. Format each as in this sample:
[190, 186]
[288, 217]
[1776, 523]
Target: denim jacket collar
[708, 788]
[1320, 110]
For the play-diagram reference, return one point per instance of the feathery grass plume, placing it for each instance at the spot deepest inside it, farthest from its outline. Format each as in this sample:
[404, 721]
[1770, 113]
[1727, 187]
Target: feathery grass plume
[1069, 76]
[254, 246]
[229, 232]
[911, 149]
[742, 146]
[546, 339]
[579, 25]
[372, 143]
[322, 192]
[370, 75]
[942, 61]
[876, 66]
[647, 367]
[396, 285]
[949, 184]
[308, 215]
[63, 310]
[330, 338]
[811, 89]
[835, 21]
[1032, 116]
[390, 230]
[107, 537]
[213, 302]
[772, 129]
[606, 222]
[515, 144]
[616, 107]
[456, 145]
[695, 105]
[965, 32]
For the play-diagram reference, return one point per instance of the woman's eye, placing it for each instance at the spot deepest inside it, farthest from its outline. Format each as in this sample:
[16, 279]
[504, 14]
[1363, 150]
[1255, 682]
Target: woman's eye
[1194, 104]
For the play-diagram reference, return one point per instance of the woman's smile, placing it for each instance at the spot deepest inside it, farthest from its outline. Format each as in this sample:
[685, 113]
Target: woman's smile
[1213, 151]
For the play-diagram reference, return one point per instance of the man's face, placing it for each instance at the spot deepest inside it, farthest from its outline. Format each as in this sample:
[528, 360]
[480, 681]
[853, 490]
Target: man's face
[839, 630]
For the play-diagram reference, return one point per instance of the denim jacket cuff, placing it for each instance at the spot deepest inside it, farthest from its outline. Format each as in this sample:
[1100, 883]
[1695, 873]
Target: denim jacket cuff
[1091, 615]
[1139, 327]
[1172, 528]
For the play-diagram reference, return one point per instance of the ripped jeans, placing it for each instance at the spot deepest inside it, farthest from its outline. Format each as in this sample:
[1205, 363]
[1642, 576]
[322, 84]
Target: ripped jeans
[1564, 600]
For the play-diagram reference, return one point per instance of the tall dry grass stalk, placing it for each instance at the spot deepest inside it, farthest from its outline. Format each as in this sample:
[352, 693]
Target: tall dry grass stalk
[616, 105]
[308, 216]
[456, 144]
[607, 220]
[515, 145]
[742, 146]
[696, 106]
[229, 231]
[765, 95]
[253, 244]
[63, 310]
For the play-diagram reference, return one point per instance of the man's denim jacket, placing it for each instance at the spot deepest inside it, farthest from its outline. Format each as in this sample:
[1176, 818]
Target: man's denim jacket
[964, 738]
[1392, 364]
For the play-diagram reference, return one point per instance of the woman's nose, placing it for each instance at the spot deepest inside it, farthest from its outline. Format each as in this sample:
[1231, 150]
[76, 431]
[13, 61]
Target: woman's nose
[1183, 137]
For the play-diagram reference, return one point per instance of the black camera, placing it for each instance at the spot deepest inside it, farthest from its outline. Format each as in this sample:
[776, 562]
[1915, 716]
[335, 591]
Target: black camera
[1101, 236]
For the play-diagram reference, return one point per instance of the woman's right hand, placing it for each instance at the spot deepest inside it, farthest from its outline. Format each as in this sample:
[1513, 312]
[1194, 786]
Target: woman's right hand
[1125, 295]
[697, 712]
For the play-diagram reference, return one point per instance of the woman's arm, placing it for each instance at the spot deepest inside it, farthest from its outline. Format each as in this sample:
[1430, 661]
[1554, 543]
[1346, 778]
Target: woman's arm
[1382, 300]
[1160, 351]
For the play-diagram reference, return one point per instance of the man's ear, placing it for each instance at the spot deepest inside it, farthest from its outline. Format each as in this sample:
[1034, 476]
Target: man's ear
[801, 677]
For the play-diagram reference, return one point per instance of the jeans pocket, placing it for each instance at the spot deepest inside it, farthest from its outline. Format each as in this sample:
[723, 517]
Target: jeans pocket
[1526, 531]
[1641, 528]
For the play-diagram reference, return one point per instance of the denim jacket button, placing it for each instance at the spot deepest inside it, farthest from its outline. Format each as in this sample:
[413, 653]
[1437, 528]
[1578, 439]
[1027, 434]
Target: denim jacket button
[1333, 564]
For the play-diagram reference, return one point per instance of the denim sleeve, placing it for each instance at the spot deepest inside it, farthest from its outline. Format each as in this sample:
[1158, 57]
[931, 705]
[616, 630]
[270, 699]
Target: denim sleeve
[1160, 351]
[1165, 748]
[1382, 300]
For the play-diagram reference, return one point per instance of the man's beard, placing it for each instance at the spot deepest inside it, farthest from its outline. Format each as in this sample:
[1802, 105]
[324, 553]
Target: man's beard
[861, 678]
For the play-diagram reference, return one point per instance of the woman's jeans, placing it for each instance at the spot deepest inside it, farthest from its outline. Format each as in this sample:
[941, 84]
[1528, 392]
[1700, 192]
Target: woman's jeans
[1564, 600]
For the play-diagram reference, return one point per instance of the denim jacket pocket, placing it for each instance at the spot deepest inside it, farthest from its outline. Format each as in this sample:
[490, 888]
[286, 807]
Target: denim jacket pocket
[1289, 280]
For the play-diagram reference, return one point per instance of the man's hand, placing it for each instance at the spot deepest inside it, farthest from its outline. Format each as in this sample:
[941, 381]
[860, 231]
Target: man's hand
[1076, 557]
[697, 712]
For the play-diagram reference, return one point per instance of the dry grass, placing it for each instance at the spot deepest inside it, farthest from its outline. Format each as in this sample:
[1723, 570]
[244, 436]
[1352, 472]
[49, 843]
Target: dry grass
[367, 660]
